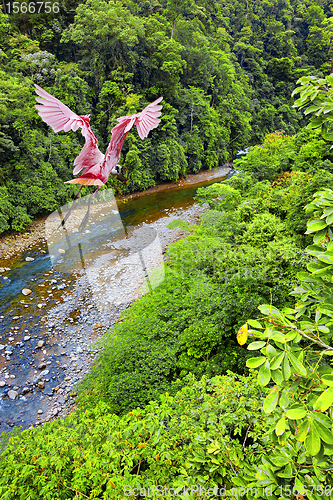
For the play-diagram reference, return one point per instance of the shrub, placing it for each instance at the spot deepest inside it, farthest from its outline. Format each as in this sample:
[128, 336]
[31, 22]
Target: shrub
[130, 372]
[204, 435]
[263, 228]
[295, 344]
[270, 159]
[219, 196]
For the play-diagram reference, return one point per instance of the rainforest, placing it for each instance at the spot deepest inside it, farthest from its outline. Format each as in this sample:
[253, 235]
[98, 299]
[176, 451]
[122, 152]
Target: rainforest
[219, 382]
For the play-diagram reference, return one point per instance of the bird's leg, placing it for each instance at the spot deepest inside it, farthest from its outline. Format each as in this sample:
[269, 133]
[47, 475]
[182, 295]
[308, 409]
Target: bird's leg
[70, 210]
[86, 217]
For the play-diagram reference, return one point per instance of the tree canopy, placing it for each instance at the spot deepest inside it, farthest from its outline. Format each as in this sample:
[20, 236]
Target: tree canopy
[226, 71]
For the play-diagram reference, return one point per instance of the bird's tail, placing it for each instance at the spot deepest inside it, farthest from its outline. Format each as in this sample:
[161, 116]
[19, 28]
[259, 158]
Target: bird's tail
[86, 181]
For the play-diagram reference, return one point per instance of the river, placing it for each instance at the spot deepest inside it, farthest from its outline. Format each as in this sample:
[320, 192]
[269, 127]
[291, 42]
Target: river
[48, 338]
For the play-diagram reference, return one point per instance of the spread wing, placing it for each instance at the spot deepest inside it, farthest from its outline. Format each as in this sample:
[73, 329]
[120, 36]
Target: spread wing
[59, 117]
[149, 119]
[145, 121]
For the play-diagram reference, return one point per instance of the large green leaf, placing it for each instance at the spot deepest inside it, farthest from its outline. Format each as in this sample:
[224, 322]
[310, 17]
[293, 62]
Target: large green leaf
[270, 352]
[316, 267]
[326, 257]
[325, 400]
[255, 362]
[264, 374]
[277, 376]
[327, 212]
[296, 364]
[323, 432]
[271, 400]
[302, 430]
[329, 219]
[314, 250]
[327, 379]
[278, 337]
[280, 461]
[315, 225]
[312, 442]
[284, 400]
[322, 418]
[296, 412]
[286, 371]
[319, 236]
[280, 426]
[254, 323]
[270, 310]
[254, 346]
[276, 361]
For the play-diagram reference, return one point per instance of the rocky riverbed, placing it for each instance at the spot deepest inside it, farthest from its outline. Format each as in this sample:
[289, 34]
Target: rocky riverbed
[39, 370]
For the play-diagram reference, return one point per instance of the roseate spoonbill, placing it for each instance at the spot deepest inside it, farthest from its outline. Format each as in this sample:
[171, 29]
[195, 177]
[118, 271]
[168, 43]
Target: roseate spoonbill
[96, 166]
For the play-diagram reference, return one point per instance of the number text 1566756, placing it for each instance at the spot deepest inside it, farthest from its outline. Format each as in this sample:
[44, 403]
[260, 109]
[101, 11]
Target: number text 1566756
[32, 7]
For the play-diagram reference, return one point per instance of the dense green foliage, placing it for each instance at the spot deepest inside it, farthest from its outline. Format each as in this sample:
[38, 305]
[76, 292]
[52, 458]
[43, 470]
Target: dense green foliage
[254, 439]
[215, 280]
[226, 71]
[296, 346]
[160, 406]
[204, 434]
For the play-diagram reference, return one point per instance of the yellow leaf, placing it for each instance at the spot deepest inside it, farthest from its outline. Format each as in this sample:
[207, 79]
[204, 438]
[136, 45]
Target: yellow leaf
[142, 445]
[242, 335]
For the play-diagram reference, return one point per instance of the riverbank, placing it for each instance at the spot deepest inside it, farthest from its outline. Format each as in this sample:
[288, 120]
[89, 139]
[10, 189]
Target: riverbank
[39, 372]
[13, 244]
[48, 337]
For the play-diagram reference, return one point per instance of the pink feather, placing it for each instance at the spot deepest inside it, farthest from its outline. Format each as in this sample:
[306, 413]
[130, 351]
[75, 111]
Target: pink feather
[97, 167]
[145, 121]
[60, 117]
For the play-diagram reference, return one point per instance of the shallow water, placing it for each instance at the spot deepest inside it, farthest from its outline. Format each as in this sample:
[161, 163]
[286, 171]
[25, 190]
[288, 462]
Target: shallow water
[36, 315]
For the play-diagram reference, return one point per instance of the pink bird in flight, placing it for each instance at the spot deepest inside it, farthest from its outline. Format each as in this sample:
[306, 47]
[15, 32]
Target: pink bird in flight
[95, 165]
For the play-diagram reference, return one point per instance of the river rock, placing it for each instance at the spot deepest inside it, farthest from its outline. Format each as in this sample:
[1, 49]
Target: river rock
[26, 291]
[61, 250]
[41, 366]
[25, 390]
[44, 373]
[40, 343]
[40, 412]
[2, 383]
[27, 337]
[29, 259]
[1, 347]
[41, 385]
[12, 394]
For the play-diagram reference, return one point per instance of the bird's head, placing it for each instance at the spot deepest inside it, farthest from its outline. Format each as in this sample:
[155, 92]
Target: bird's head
[117, 171]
